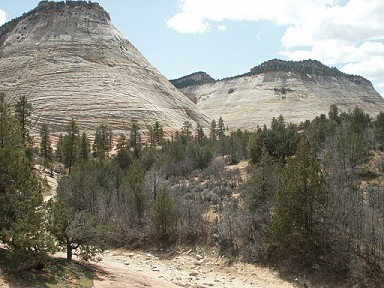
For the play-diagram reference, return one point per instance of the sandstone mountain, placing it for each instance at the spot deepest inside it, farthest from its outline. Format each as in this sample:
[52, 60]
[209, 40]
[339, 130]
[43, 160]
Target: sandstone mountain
[71, 62]
[297, 90]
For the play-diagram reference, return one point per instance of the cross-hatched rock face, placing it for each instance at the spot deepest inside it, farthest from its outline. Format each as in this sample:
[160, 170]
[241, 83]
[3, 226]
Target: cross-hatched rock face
[250, 100]
[71, 62]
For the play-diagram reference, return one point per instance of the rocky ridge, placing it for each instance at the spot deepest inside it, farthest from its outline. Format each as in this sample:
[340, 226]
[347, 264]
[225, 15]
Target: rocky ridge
[297, 90]
[71, 62]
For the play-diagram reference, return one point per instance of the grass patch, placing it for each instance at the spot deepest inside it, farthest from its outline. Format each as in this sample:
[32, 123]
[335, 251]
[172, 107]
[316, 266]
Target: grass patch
[58, 272]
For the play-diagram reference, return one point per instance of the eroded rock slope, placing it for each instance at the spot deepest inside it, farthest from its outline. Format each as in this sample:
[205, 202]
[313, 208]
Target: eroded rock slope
[296, 90]
[72, 62]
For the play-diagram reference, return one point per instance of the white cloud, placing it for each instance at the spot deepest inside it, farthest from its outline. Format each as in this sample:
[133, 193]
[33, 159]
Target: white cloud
[222, 28]
[343, 33]
[3, 17]
[188, 23]
[381, 85]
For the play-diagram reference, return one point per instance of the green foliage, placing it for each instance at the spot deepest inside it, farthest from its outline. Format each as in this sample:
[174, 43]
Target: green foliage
[164, 216]
[46, 150]
[103, 141]
[262, 184]
[20, 195]
[134, 187]
[186, 132]
[280, 140]
[85, 148]
[71, 145]
[135, 139]
[379, 128]
[10, 134]
[23, 111]
[75, 229]
[213, 131]
[299, 205]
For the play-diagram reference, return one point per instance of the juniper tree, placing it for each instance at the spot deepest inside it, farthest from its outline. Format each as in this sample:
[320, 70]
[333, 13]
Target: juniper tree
[75, 230]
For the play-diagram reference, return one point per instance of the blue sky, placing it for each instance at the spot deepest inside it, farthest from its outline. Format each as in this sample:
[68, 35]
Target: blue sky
[228, 37]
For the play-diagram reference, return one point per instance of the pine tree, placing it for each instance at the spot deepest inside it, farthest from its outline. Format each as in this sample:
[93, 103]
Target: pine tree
[200, 135]
[59, 154]
[186, 132]
[71, 145]
[45, 145]
[135, 139]
[213, 131]
[23, 111]
[158, 134]
[85, 148]
[220, 129]
[102, 144]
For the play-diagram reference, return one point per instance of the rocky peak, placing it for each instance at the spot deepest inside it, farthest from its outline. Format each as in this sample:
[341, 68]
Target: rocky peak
[306, 69]
[71, 62]
[197, 78]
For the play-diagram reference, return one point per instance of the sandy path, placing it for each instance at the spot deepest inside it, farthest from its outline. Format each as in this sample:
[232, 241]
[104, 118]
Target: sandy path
[183, 269]
[115, 274]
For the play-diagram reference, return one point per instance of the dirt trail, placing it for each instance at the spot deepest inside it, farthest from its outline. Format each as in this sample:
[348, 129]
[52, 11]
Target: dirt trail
[183, 269]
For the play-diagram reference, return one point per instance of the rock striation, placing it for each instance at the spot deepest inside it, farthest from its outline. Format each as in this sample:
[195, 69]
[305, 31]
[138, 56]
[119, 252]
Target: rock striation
[297, 90]
[71, 62]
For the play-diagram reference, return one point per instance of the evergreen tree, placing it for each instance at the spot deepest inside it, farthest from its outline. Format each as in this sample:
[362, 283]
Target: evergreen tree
[59, 154]
[20, 195]
[71, 145]
[45, 145]
[164, 215]
[262, 184]
[213, 131]
[9, 127]
[23, 111]
[200, 135]
[186, 132]
[102, 144]
[85, 148]
[379, 128]
[134, 188]
[158, 134]
[75, 230]
[220, 129]
[299, 204]
[135, 139]
[333, 113]
[122, 142]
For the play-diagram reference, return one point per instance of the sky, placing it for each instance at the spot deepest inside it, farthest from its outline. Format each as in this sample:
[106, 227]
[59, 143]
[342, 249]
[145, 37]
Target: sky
[228, 37]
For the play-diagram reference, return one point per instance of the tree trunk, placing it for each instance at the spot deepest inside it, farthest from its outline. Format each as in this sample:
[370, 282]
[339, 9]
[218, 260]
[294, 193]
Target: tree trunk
[69, 251]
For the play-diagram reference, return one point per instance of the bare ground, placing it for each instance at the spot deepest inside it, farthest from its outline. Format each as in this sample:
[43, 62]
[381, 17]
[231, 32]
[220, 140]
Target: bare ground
[181, 269]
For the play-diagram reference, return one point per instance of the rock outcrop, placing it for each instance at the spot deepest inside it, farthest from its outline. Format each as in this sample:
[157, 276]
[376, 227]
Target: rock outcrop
[297, 90]
[71, 62]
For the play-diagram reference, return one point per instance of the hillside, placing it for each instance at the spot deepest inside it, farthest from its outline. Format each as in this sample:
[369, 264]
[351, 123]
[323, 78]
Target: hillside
[297, 90]
[71, 62]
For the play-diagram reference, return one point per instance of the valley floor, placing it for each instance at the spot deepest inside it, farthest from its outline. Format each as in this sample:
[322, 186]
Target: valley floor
[180, 269]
